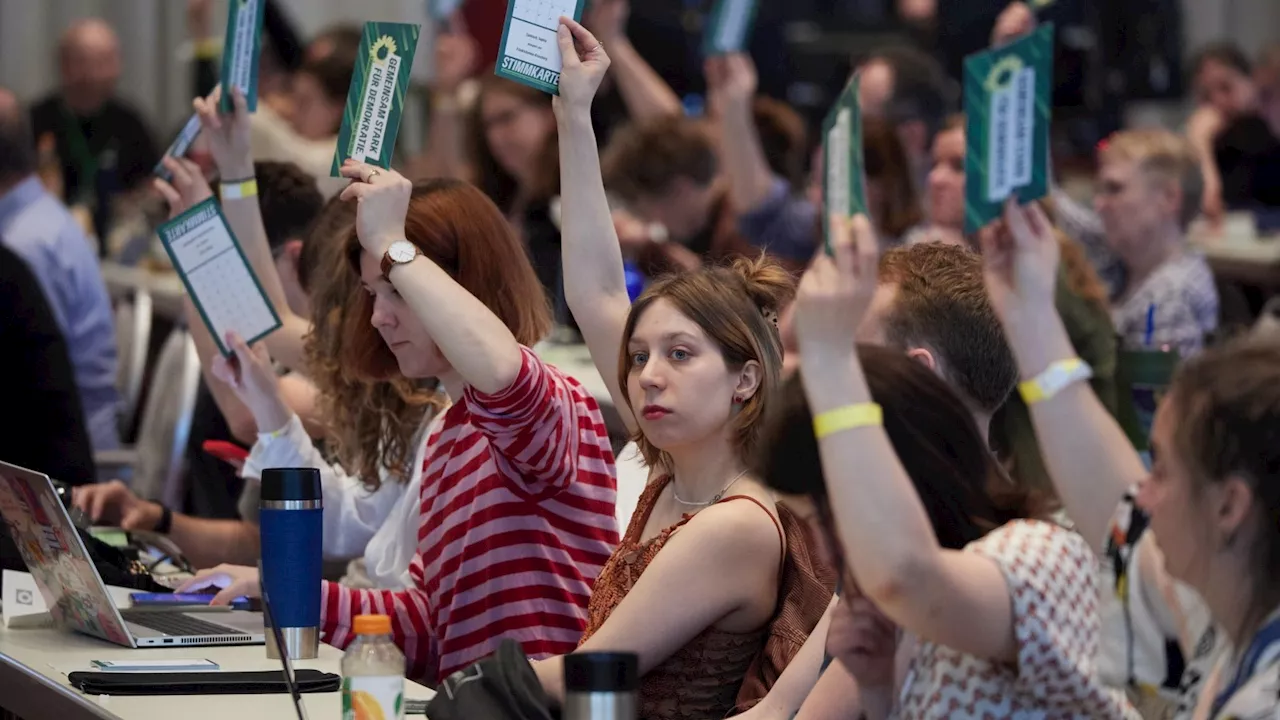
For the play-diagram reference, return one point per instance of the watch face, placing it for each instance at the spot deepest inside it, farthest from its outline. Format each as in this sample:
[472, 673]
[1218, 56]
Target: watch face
[402, 251]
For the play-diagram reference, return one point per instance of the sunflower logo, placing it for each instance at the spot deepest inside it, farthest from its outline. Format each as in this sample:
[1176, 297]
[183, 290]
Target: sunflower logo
[386, 42]
[1003, 73]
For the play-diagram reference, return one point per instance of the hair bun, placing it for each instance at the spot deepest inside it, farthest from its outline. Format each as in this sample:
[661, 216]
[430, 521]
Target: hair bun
[768, 284]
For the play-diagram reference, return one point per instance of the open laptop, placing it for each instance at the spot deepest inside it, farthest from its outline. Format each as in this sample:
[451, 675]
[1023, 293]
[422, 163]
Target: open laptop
[78, 599]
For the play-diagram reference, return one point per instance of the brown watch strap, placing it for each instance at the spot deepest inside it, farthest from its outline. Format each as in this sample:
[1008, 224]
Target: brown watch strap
[388, 262]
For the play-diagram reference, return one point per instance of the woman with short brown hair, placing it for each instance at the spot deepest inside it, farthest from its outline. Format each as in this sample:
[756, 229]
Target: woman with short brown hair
[693, 365]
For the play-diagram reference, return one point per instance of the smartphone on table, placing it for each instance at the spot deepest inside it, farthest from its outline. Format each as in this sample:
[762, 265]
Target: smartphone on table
[193, 599]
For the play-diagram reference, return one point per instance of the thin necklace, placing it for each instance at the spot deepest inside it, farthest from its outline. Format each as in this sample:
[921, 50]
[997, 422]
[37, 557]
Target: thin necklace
[712, 501]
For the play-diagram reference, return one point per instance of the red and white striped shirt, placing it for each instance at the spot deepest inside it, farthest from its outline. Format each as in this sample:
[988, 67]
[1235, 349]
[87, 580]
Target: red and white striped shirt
[516, 521]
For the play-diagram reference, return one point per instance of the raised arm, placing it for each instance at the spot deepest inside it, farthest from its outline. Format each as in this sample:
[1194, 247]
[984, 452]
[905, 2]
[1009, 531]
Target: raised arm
[956, 599]
[594, 285]
[1203, 128]
[186, 189]
[731, 83]
[352, 513]
[1090, 459]
[229, 142]
[478, 344]
[646, 94]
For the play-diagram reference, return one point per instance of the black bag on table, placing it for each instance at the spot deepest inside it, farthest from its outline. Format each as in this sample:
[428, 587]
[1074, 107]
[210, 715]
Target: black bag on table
[503, 686]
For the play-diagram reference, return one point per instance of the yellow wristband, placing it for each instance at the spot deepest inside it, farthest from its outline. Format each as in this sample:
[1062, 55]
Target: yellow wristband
[1056, 378]
[238, 190]
[848, 417]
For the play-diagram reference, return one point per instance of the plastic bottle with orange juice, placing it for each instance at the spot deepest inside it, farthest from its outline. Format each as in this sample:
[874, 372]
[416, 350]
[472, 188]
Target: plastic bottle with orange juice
[373, 672]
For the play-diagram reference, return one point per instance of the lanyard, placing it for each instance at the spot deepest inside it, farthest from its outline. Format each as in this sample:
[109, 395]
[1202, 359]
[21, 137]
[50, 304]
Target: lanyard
[1264, 643]
[82, 157]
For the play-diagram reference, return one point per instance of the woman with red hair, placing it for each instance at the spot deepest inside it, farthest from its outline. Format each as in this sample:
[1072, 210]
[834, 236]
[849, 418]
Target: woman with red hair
[516, 508]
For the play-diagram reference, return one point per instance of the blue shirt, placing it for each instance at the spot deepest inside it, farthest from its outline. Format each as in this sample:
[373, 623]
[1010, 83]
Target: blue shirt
[784, 224]
[38, 228]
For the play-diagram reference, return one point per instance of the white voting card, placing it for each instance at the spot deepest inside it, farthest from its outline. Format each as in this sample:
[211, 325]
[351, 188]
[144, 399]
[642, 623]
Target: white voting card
[217, 275]
[530, 52]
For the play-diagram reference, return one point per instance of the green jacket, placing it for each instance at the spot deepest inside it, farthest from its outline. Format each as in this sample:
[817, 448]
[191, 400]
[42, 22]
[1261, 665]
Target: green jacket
[1094, 338]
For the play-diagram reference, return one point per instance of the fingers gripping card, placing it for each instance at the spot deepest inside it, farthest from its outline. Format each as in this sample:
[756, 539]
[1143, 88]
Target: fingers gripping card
[530, 50]
[1007, 99]
[375, 101]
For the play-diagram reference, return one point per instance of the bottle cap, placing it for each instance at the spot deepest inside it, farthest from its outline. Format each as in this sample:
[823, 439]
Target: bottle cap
[372, 625]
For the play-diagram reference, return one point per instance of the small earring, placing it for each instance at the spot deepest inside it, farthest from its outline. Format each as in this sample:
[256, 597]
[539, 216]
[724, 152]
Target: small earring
[737, 400]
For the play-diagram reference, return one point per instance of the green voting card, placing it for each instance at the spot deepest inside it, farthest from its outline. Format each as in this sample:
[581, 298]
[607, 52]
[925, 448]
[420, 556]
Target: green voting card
[240, 52]
[530, 50]
[844, 184]
[729, 28]
[375, 100]
[217, 275]
[1008, 94]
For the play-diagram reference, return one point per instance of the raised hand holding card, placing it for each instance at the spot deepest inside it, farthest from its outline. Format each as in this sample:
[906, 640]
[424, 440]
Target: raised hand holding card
[1007, 101]
[241, 50]
[729, 28]
[375, 100]
[217, 275]
[843, 179]
[530, 52]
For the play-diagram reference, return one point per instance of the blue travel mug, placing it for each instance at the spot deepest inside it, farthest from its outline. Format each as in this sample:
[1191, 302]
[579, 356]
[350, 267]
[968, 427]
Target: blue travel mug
[291, 523]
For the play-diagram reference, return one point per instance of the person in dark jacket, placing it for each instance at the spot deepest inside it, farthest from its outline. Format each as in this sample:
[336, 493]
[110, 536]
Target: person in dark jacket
[41, 423]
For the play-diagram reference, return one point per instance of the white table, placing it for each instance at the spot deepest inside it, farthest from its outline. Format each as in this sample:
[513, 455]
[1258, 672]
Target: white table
[32, 688]
[165, 287]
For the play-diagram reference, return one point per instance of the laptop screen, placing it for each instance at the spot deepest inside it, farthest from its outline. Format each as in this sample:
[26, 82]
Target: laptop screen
[56, 556]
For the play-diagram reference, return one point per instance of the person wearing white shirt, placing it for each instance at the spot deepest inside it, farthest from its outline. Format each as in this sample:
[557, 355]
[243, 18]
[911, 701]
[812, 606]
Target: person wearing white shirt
[376, 527]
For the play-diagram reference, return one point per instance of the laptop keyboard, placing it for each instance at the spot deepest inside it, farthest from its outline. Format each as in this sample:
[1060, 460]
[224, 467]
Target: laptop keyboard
[177, 624]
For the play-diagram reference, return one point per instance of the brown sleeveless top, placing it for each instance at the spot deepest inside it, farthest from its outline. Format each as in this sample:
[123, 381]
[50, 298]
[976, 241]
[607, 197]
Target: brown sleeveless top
[701, 679]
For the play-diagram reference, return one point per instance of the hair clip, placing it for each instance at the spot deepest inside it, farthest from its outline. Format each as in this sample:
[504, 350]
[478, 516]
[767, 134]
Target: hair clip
[771, 316]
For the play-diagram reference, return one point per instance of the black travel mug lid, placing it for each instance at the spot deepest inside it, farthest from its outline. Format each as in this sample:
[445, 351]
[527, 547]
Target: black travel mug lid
[601, 672]
[285, 484]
